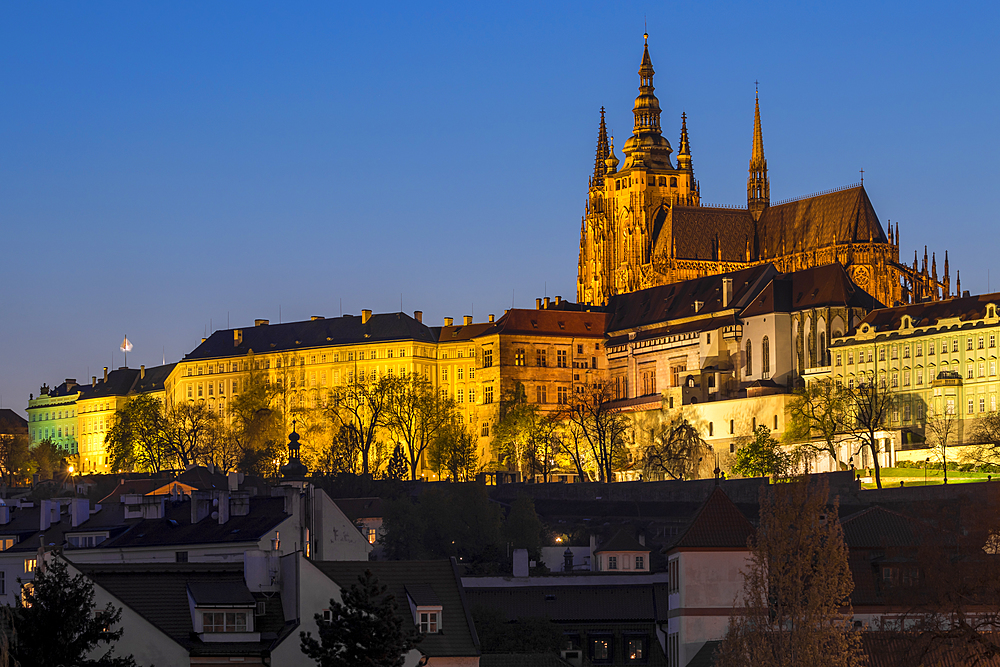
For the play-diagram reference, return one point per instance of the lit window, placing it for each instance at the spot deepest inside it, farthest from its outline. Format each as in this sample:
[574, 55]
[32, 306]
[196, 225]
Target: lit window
[519, 357]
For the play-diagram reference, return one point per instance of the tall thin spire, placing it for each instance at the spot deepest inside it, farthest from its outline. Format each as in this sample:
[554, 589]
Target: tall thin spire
[600, 168]
[684, 148]
[758, 187]
[647, 107]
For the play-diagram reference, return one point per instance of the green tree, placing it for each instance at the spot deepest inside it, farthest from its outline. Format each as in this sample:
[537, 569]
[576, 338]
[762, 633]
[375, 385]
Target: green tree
[363, 630]
[193, 430]
[46, 458]
[816, 416]
[137, 439]
[397, 468]
[454, 450]
[415, 415]
[55, 622]
[15, 456]
[675, 450]
[760, 455]
[522, 528]
[795, 608]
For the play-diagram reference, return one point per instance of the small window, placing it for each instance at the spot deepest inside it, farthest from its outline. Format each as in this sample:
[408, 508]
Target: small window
[600, 649]
[262, 608]
[224, 621]
[487, 358]
[612, 562]
[635, 649]
[428, 622]
[640, 562]
[180, 556]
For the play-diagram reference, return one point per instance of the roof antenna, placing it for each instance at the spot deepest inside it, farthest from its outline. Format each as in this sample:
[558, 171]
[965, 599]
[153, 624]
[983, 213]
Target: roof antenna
[862, 177]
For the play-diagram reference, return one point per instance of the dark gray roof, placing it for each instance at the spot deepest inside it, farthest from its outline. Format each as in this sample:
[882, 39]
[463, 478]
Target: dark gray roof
[221, 593]
[125, 381]
[459, 634]
[563, 604]
[422, 594]
[622, 541]
[12, 423]
[360, 508]
[159, 593]
[344, 330]
[705, 657]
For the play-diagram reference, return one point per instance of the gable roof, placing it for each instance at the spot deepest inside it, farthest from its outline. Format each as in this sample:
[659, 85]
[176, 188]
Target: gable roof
[345, 330]
[667, 303]
[929, 313]
[360, 508]
[718, 524]
[827, 285]
[159, 593]
[459, 636]
[622, 541]
[12, 423]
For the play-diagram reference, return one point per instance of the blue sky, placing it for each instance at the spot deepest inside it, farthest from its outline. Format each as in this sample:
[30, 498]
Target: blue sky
[166, 167]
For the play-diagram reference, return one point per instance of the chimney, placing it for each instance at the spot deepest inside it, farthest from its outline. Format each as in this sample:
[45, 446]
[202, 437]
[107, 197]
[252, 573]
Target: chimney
[467, 320]
[491, 318]
[538, 304]
[727, 291]
[520, 562]
[142, 372]
[93, 380]
[237, 337]
[234, 481]
[448, 321]
[223, 507]
[44, 515]
[201, 505]
[698, 305]
[79, 511]
[642, 539]
[558, 300]
[418, 315]
[70, 383]
[312, 319]
[262, 323]
[203, 340]
[366, 314]
[547, 303]
[105, 373]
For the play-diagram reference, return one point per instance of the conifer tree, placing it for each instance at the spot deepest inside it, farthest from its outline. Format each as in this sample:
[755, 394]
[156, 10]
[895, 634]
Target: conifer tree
[795, 607]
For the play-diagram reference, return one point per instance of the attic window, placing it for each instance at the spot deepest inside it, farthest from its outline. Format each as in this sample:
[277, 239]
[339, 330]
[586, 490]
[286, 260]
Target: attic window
[534, 324]
[429, 620]
[586, 325]
[562, 325]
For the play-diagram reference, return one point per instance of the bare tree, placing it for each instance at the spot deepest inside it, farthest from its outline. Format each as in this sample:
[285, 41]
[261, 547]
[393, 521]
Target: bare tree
[943, 427]
[984, 433]
[192, 431]
[362, 403]
[817, 414]
[454, 450]
[526, 440]
[415, 415]
[575, 448]
[795, 608]
[602, 426]
[867, 408]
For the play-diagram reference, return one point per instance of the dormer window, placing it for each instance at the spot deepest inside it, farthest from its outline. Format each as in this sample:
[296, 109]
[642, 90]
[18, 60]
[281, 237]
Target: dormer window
[429, 622]
[223, 611]
[225, 621]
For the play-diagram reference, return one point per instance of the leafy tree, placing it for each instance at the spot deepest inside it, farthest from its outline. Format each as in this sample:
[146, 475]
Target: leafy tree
[362, 403]
[46, 458]
[760, 455]
[15, 455]
[795, 608]
[137, 439]
[415, 415]
[397, 468]
[523, 529]
[55, 622]
[257, 423]
[868, 405]
[675, 449]
[454, 450]
[816, 418]
[601, 425]
[363, 630]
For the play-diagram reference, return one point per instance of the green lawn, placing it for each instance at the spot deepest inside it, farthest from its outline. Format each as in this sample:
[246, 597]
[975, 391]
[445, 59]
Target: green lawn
[891, 477]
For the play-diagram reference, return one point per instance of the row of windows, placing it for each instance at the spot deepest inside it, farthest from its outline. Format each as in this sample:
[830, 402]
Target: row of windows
[265, 364]
[971, 343]
[46, 416]
[650, 180]
[765, 352]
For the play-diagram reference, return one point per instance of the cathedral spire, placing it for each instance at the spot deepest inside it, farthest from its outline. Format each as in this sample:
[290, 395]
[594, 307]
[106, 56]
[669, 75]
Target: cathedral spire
[647, 107]
[600, 168]
[758, 187]
[684, 148]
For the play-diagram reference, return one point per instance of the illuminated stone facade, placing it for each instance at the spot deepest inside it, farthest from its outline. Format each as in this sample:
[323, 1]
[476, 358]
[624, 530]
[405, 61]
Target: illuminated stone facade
[645, 224]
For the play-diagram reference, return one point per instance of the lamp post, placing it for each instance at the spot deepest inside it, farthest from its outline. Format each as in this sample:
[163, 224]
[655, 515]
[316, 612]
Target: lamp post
[926, 461]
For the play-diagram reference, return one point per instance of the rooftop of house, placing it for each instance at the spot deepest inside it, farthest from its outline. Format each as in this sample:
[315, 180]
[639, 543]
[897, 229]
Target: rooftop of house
[718, 524]
[439, 577]
[624, 602]
[360, 508]
[623, 540]
[159, 593]
[697, 298]
[827, 285]
[318, 332]
[553, 321]
[930, 313]
[12, 423]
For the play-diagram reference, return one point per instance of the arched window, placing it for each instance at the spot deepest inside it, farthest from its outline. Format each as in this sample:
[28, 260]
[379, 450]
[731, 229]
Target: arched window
[765, 361]
[822, 349]
[673, 181]
[749, 360]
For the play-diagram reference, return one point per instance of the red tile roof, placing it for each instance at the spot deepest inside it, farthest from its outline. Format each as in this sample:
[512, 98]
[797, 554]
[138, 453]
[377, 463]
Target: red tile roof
[719, 523]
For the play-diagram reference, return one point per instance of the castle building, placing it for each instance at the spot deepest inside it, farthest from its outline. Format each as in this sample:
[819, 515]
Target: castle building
[645, 224]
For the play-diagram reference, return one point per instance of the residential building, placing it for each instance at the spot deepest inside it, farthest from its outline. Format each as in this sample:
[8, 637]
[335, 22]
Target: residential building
[645, 223]
[939, 359]
[366, 515]
[623, 554]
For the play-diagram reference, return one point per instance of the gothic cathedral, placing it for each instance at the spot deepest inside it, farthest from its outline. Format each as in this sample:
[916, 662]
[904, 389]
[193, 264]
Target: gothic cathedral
[645, 225]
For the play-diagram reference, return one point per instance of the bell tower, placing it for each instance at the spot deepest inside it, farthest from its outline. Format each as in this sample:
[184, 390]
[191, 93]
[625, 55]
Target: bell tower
[758, 187]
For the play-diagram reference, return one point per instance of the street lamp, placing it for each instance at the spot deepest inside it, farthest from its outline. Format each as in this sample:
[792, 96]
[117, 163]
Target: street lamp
[926, 461]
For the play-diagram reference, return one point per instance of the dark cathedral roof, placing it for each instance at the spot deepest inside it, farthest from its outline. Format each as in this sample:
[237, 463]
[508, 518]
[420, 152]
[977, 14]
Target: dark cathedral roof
[843, 216]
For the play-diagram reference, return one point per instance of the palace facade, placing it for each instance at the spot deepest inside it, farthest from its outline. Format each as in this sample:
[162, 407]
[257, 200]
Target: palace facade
[645, 224]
